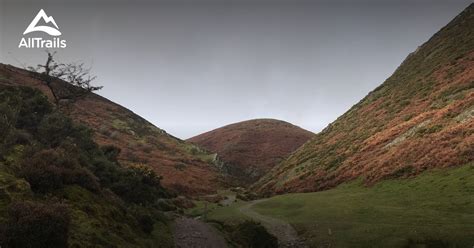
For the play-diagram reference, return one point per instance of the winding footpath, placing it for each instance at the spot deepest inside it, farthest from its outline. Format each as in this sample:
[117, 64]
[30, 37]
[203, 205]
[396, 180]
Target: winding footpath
[285, 233]
[191, 233]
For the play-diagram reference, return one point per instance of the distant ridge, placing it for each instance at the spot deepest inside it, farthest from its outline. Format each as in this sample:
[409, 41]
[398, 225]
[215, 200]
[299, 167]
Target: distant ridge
[251, 148]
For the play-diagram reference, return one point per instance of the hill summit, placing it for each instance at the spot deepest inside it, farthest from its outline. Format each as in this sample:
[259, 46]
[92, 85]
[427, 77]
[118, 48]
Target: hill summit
[251, 148]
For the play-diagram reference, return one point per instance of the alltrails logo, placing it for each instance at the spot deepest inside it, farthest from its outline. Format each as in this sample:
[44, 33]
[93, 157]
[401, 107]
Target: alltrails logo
[38, 42]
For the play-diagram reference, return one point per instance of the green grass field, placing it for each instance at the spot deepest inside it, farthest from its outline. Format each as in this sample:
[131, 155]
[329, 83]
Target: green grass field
[435, 209]
[230, 214]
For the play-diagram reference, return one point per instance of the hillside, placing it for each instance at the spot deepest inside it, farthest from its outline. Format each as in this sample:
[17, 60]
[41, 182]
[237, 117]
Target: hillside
[420, 118]
[59, 188]
[251, 148]
[184, 167]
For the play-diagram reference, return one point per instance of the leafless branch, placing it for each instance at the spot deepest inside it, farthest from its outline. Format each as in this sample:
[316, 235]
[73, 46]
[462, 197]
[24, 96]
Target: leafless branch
[76, 74]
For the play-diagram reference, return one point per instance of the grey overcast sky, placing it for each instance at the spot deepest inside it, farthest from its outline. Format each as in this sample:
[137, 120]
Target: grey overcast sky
[192, 66]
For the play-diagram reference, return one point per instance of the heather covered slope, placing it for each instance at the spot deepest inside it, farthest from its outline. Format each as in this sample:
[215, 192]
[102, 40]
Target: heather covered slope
[419, 118]
[252, 148]
[58, 188]
[184, 167]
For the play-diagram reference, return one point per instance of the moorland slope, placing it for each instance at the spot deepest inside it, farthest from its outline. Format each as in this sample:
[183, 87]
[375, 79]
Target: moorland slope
[185, 168]
[420, 118]
[251, 148]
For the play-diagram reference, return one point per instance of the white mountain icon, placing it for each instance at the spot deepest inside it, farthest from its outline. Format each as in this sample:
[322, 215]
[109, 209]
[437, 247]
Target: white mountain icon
[47, 19]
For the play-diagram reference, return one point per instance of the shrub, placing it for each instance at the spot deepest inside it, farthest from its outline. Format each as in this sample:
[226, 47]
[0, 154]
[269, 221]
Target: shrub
[29, 104]
[7, 120]
[165, 205]
[138, 185]
[107, 172]
[111, 152]
[54, 129]
[48, 170]
[42, 178]
[81, 177]
[7, 124]
[146, 223]
[194, 150]
[32, 224]
[147, 217]
[34, 107]
[253, 234]
[422, 131]
[18, 137]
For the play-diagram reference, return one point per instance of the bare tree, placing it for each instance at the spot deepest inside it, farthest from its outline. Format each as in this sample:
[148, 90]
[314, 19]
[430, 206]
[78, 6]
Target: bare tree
[76, 74]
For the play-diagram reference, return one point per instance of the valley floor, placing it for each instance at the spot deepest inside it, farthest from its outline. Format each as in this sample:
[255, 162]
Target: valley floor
[435, 209]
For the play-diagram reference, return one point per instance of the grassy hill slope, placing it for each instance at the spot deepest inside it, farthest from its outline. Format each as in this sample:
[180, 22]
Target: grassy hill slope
[251, 148]
[435, 209]
[418, 119]
[58, 188]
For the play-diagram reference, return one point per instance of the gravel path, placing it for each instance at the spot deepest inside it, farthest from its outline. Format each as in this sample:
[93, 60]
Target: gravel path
[286, 234]
[191, 233]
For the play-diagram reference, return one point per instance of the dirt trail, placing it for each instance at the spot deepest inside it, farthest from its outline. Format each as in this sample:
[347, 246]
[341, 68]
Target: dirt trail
[286, 234]
[191, 233]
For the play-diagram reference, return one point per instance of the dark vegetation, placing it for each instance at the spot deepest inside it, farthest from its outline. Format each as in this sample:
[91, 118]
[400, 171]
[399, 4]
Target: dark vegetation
[41, 145]
[32, 224]
[253, 234]
[140, 142]
[247, 234]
